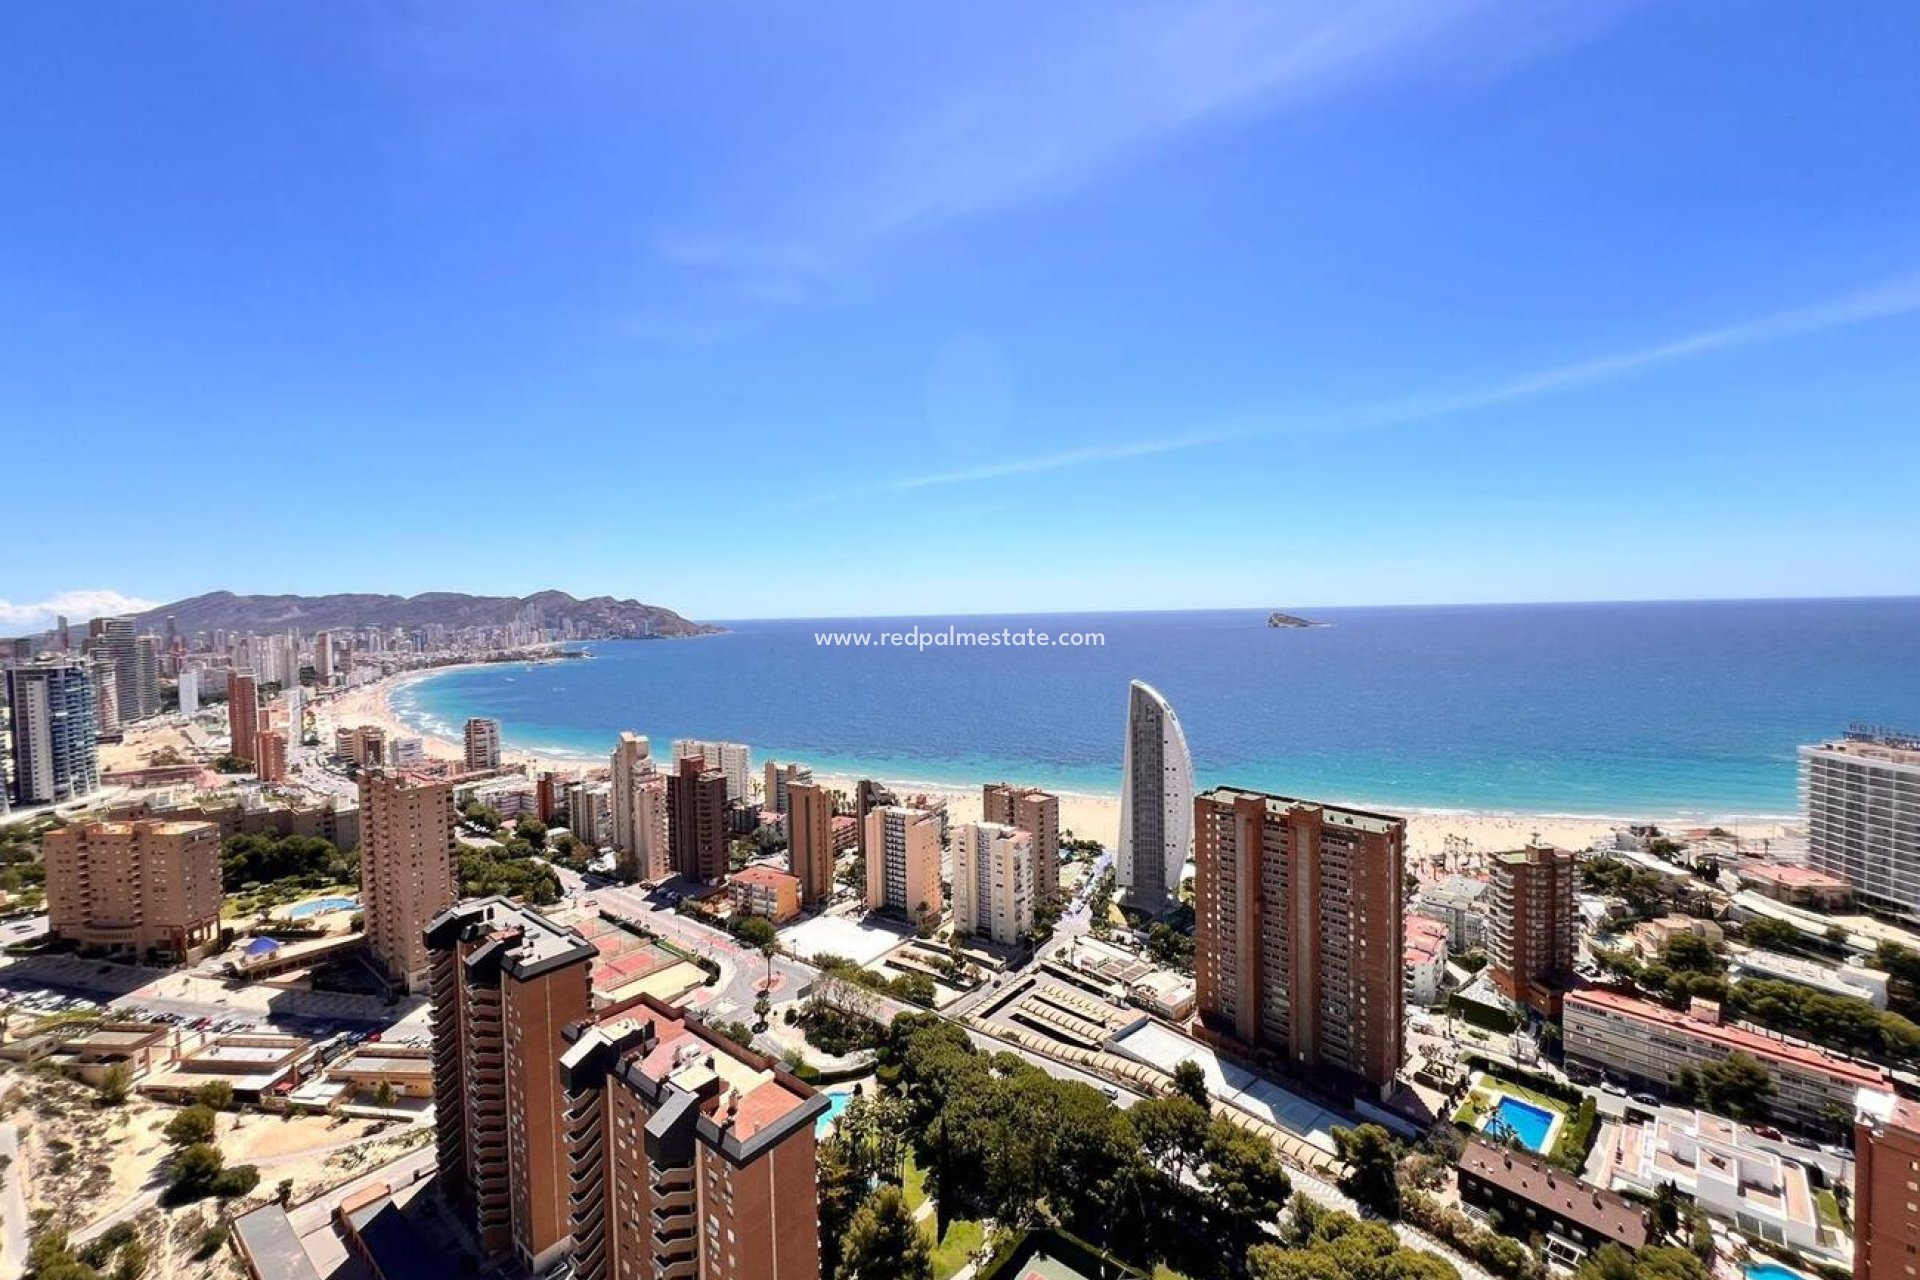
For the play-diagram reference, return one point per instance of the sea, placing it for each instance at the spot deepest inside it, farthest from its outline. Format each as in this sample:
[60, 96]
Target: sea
[1650, 710]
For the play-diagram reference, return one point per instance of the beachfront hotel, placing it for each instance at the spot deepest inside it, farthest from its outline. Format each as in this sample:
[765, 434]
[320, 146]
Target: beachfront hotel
[1886, 1186]
[1299, 931]
[993, 881]
[1862, 799]
[689, 1157]
[697, 820]
[1530, 937]
[734, 759]
[141, 886]
[903, 862]
[639, 801]
[810, 842]
[1156, 803]
[56, 753]
[505, 983]
[407, 874]
[1648, 1043]
[482, 741]
[1037, 813]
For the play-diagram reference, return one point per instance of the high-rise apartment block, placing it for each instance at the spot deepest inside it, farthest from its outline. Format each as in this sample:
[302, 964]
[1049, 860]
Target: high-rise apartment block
[1037, 813]
[243, 713]
[146, 675]
[56, 754]
[114, 638]
[1530, 929]
[640, 827]
[1886, 1186]
[779, 778]
[106, 697]
[697, 815]
[1862, 799]
[993, 881]
[189, 687]
[810, 841]
[691, 1157]
[903, 862]
[407, 868]
[483, 743]
[1156, 803]
[733, 759]
[270, 755]
[1298, 930]
[506, 983]
[144, 886]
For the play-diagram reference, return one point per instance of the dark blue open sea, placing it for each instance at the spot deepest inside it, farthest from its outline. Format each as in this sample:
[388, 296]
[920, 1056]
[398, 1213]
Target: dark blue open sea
[1619, 709]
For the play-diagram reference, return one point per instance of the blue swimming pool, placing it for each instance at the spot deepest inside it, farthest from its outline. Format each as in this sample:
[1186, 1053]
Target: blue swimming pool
[1528, 1123]
[319, 905]
[836, 1103]
[1770, 1271]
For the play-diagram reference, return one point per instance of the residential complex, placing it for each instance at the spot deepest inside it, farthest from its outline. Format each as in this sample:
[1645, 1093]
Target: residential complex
[766, 892]
[993, 881]
[1649, 1043]
[697, 816]
[482, 739]
[1721, 1165]
[1037, 813]
[1886, 1186]
[270, 755]
[506, 983]
[1530, 935]
[903, 862]
[639, 796]
[779, 778]
[690, 1158]
[407, 871]
[733, 759]
[1298, 930]
[145, 886]
[1573, 1217]
[810, 840]
[55, 733]
[1862, 801]
[243, 714]
[1156, 803]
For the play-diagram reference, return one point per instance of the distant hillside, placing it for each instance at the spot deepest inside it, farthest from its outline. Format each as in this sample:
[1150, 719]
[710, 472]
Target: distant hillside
[600, 617]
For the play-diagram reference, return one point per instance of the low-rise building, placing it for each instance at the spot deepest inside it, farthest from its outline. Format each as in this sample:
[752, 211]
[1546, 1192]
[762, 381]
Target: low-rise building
[1797, 886]
[405, 1069]
[1458, 902]
[766, 892]
[140, 1047]
[1849, 980]
[1649, 1043]
[253, 1064]
[1726, 1173]
[1525, 1196]
[1653, 935]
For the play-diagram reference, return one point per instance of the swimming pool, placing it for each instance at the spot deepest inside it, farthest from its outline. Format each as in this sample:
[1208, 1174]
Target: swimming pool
[1528, 1123]
[1771, 1271]
[320, 905]
[836, 1103]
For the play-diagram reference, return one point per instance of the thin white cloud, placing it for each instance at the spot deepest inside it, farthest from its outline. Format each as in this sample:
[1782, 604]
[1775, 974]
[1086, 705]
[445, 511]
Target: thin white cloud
[74, 606]
[1894, 297]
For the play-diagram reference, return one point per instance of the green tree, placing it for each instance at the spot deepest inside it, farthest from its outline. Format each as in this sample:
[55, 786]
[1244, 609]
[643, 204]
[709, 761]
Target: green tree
[1372, 1158]
[384, 1095]
[1190, 1081]
[1246, 1186]
[884, 1243]
[1611, 1262]
[194, 1173]
[192, 1125]
[1737, 1086]
[115, 1085]
[217, 1094]
[283, 1192]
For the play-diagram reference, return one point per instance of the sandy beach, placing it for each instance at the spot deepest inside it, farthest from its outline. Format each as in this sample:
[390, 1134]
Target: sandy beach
[1436, 840]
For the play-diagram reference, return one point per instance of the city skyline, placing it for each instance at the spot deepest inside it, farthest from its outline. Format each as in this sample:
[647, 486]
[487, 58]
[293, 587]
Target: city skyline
[1626, 278]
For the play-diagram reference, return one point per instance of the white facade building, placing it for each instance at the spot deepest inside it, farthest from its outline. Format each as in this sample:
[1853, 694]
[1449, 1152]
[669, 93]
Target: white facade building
[1156, 803]
[993, 881]
[1862, 798]
[190, 693]
[731, 758]
[639, 801]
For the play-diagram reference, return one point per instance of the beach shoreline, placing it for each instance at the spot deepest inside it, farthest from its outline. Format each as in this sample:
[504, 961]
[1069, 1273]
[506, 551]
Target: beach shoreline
[1432, 833]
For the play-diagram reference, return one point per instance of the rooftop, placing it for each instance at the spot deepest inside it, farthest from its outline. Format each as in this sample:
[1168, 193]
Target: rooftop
[1790, 877]
[767, 877]
[1752, 1043]
[1333, 815]
[1533, 1180]
[535, 944]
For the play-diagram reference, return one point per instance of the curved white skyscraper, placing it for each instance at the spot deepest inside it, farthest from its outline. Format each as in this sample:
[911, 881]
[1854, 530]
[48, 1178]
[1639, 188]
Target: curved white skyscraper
[1156, 803]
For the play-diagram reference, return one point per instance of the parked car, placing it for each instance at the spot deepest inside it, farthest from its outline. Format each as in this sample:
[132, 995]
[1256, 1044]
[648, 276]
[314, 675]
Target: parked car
[1767, 1131]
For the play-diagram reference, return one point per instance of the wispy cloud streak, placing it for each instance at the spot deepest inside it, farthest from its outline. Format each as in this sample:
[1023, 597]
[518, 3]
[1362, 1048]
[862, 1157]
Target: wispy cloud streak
[1895, 297]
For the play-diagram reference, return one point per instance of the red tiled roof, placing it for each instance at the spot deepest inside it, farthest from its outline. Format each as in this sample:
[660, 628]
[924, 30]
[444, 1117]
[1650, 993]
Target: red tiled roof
[1533, 1180]
[767, 876]
[1792, 877]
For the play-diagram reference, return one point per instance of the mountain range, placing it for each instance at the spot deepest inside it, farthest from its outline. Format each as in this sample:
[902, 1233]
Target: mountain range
[599, 617]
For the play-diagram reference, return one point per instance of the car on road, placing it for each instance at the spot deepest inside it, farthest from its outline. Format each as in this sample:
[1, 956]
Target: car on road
[1646, 1099]
[1767, 1131]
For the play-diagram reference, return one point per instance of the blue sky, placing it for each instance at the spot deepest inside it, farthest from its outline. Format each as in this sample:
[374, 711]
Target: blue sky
[790, 309]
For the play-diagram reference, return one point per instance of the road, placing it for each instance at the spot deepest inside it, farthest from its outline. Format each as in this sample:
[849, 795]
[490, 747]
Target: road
[13, 1204]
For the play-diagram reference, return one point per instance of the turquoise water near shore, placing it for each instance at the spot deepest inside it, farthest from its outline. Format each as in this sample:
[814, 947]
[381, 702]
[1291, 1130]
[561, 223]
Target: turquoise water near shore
[1654, 709]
